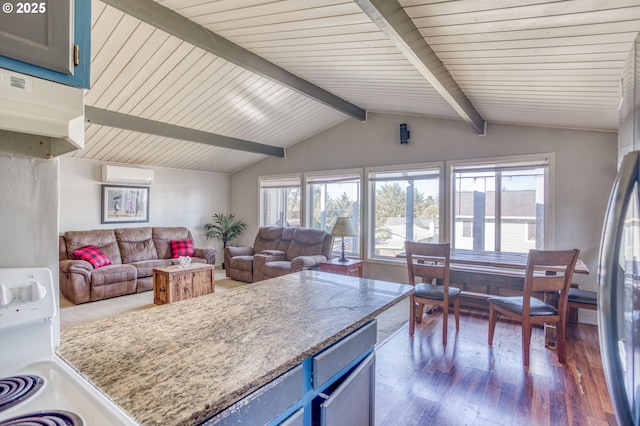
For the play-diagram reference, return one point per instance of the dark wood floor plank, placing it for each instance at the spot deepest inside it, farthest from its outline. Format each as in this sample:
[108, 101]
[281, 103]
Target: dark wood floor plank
[467, 382]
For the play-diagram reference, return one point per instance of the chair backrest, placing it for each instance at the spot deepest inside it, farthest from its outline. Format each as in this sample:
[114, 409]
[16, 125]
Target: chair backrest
[428, 261]
[267, 238]
[309, 242]
[549, 271]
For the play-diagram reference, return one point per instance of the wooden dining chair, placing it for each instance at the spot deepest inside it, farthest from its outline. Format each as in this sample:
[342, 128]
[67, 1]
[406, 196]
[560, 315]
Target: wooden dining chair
[431, 263]
[547, 271]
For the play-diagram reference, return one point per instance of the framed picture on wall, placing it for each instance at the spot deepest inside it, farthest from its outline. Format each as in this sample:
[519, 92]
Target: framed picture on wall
[125, 204]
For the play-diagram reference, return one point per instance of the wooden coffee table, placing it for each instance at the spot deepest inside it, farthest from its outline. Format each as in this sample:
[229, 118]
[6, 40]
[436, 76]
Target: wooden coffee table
[174, 283]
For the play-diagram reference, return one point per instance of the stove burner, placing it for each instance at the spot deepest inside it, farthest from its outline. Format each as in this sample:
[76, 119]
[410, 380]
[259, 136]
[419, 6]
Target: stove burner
[45, 418]
[15, 389]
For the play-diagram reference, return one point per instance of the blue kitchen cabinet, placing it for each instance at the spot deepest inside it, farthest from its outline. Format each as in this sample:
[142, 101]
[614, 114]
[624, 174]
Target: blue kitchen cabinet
[335, 387]
[49, 39]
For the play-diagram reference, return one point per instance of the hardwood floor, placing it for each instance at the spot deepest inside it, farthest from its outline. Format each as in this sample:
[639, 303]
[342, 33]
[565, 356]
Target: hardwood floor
[418, 382]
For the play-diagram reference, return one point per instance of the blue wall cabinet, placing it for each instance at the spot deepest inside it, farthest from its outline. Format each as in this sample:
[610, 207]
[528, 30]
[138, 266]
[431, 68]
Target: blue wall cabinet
[50, 39]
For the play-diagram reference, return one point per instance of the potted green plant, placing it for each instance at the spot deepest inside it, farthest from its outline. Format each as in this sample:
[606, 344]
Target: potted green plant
[224, 227]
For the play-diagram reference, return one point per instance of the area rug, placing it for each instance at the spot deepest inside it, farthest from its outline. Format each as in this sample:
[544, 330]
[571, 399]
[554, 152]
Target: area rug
[72, 315]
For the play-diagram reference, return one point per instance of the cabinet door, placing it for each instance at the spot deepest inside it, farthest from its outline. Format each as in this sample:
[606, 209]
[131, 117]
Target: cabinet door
[296, 419]
[38, 33]
[329, 362]
[353, 402]
[265, 404]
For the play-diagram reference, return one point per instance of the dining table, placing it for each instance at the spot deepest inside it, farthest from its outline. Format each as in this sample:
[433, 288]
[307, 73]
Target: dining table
[481, 274]
[461, 258]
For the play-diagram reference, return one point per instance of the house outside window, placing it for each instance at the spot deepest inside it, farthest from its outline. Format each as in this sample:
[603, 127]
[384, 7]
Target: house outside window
[280, 199]
[467, 228]
[500, 205]
[332, 195]
[404, 204]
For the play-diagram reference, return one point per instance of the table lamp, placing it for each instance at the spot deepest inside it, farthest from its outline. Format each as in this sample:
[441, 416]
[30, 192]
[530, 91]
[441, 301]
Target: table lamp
[343, 228]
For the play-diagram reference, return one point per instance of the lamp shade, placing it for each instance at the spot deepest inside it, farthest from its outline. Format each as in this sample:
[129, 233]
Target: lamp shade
[343, 228]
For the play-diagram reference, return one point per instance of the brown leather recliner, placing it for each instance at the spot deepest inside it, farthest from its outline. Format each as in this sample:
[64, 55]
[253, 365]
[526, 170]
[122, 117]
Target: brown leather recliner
[307, 249]
[278, 251]
[238, 261]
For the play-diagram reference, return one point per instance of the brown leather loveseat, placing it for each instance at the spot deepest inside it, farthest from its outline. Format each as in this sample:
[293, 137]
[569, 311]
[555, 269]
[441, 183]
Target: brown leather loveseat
[278, 251]
[133, 252]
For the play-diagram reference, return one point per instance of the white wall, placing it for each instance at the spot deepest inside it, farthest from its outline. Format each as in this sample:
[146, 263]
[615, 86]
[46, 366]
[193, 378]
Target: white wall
[29, 215]
[176, 198]
[585, 169]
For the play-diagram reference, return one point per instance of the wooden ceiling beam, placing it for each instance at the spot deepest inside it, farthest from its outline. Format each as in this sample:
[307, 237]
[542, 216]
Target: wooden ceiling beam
[142, 125]
[391, 18]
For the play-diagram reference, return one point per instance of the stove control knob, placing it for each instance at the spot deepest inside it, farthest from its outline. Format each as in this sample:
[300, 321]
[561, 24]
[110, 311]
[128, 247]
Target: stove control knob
[6, 296]
[33, 292]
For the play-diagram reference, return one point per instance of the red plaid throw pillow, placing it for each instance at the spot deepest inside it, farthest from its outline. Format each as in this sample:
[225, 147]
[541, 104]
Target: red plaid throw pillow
[93, 255]
[181, 248]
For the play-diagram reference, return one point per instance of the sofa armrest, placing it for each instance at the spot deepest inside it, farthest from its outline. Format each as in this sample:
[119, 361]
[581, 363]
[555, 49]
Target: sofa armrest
[258, 267]
[75, 265]
[301, 263]
[238, 251]
[75, 280]
[274, 253]
[81, 267]
[206, 253]
[265, 258]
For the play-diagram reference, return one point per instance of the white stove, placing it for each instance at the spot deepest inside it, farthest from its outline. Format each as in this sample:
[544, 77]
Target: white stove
[34, 382]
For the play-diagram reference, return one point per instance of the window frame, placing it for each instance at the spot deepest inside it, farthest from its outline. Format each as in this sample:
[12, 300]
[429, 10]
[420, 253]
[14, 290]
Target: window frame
[308, 216]
[504, 163]
[369, 217]
[291, 176]
[446, 220]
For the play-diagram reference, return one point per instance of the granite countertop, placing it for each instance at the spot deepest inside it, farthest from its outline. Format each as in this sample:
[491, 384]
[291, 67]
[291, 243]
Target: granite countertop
[182, 363]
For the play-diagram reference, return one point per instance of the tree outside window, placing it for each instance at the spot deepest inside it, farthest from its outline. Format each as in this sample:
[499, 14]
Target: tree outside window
[332, 196]
[280, 201]
[406, 206]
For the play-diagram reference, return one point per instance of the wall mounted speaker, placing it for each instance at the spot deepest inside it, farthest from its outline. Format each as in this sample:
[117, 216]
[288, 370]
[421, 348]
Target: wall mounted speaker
[404, 134]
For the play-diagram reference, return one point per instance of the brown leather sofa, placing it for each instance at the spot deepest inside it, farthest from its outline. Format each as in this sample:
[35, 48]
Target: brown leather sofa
[134, 253]
[278, 251]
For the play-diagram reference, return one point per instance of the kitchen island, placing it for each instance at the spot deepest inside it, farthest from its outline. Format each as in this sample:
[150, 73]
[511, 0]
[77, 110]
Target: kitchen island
[183, 363]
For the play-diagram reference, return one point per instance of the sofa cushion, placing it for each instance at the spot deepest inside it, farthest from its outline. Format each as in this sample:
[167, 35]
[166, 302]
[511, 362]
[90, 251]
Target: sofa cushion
[244, 263]
[145, 267]
[306, 242]
[136, 244]
[181, 248]
[113, 274]
[268, 238]
[163, 235]
[277, 268]
[285, 241]
[104, 239]
[93, 255]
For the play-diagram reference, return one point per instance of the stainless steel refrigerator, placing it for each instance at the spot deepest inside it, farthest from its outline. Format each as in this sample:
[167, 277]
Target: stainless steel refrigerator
[619, 292]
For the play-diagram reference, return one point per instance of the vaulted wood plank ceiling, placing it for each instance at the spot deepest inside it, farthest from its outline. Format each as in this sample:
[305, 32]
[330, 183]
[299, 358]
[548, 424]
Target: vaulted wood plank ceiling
[534, 62]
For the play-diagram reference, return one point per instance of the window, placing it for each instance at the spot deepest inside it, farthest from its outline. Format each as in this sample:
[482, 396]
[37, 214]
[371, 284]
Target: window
[531, 234]
[330, 196]
[404, 205]
[280, 201]
[466, 228]
[499, 205]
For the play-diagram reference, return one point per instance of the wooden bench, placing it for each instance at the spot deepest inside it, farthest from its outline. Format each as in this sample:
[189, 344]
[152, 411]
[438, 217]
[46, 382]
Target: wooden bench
[478, 283]
[481, 282]
[581, 299]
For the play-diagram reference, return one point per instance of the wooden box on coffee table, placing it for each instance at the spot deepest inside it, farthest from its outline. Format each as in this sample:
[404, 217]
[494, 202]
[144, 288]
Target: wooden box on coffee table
[174, 283]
